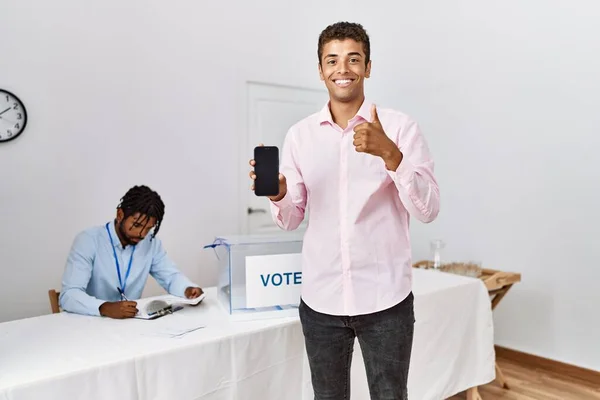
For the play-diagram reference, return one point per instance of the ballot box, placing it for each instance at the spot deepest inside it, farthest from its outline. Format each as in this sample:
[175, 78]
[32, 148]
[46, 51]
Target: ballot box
[260, 275]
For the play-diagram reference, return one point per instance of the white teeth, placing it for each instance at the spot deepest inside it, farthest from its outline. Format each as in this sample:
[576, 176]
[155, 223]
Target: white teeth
[343, 82]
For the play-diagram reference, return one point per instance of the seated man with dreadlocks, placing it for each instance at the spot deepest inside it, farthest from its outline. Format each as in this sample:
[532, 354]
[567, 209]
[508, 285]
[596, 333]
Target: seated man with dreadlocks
[108, 265]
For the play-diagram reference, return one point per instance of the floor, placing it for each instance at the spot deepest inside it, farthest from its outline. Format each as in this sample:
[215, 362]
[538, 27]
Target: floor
[528, 383]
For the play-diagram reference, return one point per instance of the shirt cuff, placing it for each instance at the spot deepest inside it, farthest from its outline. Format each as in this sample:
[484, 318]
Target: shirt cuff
[283, 203]
[403, 176]
[95, 309]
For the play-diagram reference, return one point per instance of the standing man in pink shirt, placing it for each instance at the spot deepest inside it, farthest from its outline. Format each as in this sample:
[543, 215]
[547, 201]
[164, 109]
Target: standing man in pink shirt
[362, 172]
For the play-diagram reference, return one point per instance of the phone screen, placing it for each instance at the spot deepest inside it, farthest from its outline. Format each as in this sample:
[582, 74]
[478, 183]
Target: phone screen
[266, 170]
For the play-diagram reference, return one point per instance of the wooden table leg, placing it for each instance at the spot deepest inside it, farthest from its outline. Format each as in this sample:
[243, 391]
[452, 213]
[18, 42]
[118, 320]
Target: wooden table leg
[500, 377]
[497, 297]
[473, 394]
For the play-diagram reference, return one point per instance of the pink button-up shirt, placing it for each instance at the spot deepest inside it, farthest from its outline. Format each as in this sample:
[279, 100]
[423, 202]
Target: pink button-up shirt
[356, 256]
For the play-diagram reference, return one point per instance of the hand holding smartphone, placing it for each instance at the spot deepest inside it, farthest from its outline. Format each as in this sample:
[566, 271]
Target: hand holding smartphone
[266, 171]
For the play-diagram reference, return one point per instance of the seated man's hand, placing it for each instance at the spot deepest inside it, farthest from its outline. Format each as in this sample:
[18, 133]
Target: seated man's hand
[193, 292]
[119, 309]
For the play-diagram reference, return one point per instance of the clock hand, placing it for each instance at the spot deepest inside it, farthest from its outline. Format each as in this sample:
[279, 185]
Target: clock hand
[4, 111]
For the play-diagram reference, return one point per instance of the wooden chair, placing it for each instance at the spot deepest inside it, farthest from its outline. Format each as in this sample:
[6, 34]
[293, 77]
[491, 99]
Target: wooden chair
[53, 296]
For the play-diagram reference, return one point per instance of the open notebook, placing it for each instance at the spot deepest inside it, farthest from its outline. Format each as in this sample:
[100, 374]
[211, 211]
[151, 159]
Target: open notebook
[157, 306]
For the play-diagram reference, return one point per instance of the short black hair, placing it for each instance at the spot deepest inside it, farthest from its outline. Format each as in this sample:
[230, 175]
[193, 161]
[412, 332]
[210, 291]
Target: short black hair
[141, 199]
[345, 30]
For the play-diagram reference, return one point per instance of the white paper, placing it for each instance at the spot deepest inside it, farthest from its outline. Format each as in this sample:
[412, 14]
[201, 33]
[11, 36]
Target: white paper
[273, 280]
[172, 326]
[172, 332]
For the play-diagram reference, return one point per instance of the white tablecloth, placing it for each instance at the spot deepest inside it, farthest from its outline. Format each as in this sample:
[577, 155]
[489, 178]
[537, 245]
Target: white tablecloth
[66, 356]
[453, 346]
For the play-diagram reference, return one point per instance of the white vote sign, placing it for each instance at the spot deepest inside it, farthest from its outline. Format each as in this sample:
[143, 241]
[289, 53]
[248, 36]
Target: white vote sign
[273, 280]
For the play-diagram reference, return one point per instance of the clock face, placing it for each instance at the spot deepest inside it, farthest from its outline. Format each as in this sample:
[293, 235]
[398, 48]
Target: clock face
[13, 116]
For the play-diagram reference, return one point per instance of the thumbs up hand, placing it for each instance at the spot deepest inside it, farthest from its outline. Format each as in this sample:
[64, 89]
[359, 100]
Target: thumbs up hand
[369, 137]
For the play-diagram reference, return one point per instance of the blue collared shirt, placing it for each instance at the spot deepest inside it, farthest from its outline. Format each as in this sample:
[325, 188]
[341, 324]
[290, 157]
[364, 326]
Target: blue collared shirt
[90, 278]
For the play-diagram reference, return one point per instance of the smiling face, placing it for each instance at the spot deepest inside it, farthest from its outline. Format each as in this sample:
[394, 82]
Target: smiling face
[344, 67]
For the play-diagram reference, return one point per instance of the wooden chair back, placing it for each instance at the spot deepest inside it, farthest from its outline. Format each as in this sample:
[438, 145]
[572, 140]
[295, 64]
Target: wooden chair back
[53, 296]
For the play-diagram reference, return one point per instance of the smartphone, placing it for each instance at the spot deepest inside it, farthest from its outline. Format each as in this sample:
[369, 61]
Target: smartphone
[266, 171]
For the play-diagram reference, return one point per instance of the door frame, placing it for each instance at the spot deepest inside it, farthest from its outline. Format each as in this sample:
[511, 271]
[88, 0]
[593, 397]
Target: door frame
[243, 145]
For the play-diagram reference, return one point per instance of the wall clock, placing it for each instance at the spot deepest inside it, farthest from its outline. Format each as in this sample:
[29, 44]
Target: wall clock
[13, 116]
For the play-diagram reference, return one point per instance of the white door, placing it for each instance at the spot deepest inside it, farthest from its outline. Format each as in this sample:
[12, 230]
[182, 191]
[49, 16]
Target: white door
[271, 111]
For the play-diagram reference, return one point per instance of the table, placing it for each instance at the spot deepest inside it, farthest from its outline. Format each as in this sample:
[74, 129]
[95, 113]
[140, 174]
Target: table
[453, 348]
[67, 356]
[498, 283]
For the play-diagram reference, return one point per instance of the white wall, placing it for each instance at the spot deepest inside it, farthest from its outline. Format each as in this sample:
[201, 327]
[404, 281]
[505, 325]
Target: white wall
[121, 93]
[124, 93]
[508, 95]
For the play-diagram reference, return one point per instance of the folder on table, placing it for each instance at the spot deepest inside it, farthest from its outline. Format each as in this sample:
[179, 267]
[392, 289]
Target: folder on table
[159, 306]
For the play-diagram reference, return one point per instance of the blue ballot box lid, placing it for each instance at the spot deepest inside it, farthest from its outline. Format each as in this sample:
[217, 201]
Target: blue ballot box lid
[230, 240]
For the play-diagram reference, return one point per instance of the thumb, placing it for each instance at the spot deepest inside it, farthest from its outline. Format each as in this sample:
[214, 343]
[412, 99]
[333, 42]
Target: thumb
[374, 116]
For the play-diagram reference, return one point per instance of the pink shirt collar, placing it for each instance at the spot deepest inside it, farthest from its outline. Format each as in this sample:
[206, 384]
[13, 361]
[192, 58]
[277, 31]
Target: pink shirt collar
[364, 112]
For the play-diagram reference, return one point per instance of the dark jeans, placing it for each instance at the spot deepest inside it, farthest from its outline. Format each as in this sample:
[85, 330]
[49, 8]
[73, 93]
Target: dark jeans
[385, 340]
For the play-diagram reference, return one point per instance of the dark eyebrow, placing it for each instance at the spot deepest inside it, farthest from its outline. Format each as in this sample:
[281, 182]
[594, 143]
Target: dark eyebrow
[353, 54]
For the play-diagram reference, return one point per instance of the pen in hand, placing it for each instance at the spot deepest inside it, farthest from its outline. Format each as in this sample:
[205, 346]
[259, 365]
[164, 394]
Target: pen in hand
[123, 297]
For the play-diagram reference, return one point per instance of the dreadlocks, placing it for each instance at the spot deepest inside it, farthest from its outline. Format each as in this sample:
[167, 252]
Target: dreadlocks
[143, 200]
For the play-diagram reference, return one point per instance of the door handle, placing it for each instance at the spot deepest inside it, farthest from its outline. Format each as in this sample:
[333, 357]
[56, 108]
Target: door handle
[256, 210]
